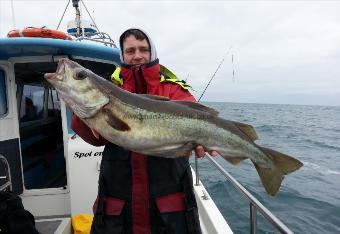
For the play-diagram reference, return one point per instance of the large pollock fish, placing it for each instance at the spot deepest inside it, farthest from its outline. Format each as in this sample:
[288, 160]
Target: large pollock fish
[157, 126]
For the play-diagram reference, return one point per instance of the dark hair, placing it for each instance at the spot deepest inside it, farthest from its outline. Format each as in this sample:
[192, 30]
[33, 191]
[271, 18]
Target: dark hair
[138, 34]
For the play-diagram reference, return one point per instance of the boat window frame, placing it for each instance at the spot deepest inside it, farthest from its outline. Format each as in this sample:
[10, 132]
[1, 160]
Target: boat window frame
[4, 92]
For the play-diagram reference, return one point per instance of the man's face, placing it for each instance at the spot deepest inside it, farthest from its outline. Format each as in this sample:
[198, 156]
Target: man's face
[136, 52]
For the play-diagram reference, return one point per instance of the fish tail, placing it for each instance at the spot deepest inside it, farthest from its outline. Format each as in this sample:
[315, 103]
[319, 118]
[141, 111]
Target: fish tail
[272, 177]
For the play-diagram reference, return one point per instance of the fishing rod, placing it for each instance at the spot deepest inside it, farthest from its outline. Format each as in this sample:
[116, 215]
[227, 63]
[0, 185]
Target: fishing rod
[212, 77]
[206, 87]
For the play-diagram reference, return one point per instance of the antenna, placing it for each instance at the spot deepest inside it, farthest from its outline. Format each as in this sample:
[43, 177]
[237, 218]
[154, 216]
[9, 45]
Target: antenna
[91, 18]
[212, 77]
[83, 29]
[106, 39]
[13, 16]
[76, 6]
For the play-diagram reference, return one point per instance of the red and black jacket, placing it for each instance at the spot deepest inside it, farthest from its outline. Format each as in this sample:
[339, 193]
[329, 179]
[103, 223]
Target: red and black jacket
[138, 193]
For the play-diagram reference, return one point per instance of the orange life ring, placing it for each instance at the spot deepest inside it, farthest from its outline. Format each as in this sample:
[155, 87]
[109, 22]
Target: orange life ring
[39, 32]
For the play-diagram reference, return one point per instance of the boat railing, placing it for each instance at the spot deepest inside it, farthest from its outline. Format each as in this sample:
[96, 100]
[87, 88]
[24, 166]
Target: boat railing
[102, 38]
[254, 204]
[7, 176]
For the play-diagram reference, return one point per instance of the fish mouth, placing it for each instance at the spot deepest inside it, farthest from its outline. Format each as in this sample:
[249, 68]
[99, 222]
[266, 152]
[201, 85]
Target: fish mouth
[61, 69]
[50, 76]
[58, 75]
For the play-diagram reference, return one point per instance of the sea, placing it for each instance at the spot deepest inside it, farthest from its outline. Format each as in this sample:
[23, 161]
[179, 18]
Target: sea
[309, 199]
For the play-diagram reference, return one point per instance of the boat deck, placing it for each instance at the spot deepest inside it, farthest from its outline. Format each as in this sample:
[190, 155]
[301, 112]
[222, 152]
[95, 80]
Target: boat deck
[211, 219]
[54, 226]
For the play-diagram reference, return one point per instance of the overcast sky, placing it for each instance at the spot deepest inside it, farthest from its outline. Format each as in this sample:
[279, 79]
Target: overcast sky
[284, 52]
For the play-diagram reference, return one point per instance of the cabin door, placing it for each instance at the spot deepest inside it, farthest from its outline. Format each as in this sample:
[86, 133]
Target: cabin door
[40, 127]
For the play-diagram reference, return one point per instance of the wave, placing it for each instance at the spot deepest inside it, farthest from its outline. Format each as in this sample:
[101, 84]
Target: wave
[332, 172]
[321, 169]
[270, 127]
[322, 144]
[312, 192]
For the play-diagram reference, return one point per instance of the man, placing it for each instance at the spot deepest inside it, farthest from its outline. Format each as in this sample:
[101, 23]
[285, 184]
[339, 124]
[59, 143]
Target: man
[138, 193]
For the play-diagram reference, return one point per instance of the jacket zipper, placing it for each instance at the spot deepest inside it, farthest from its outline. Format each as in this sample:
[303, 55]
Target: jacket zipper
[142, 77]
[135, 78]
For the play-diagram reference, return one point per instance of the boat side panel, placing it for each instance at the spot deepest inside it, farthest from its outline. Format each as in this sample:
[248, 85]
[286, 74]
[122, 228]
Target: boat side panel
[9, 133]
[211, 219]
[11, 151]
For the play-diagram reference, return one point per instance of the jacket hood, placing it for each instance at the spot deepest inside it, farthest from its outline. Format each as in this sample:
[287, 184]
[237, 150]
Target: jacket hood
[153, 52]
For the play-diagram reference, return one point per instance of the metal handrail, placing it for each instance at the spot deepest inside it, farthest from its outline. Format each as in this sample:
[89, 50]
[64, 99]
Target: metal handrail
[100, 40]
[7, 176]
[255, 205]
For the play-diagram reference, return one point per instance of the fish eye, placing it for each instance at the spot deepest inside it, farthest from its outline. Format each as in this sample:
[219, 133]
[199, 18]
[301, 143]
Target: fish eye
[81, 74]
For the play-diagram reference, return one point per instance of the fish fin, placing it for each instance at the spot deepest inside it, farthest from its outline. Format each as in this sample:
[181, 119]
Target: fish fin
[198, 106]
[155, 97]
[194, 105]
[234, 160]
[247, 129]
[272, 177]
[115, 122]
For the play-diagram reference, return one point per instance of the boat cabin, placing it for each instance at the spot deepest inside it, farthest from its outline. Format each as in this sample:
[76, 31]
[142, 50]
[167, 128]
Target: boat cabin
[35, 137]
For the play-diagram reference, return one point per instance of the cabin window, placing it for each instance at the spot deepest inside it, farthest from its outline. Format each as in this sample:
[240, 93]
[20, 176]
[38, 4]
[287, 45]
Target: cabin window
[3, 99]
[41, 137]
[32, 103]
[38, 103]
